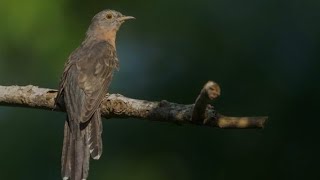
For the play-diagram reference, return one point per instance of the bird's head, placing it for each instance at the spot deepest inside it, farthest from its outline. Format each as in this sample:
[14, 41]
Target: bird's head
[106, 23]
[109, 20]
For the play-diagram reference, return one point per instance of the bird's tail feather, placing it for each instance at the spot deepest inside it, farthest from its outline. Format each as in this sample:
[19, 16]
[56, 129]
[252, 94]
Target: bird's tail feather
[94, 131]
[75, 154]
[66, 156]
[86, 156]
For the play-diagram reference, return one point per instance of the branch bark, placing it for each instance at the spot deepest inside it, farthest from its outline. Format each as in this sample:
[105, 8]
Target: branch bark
[119, 106]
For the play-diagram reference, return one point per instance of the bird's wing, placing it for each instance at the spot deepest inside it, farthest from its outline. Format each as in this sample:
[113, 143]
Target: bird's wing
[88, 79]
[74, 56]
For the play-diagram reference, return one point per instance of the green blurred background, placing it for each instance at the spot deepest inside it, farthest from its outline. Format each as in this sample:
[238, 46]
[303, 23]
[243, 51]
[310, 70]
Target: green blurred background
[264, 54]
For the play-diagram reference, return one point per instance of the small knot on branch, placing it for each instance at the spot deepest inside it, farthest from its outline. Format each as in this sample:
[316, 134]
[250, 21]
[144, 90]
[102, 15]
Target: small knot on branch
[210, 91]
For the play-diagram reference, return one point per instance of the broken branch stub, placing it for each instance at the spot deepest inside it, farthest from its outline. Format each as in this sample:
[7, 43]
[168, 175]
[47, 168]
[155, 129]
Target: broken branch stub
[210, 91]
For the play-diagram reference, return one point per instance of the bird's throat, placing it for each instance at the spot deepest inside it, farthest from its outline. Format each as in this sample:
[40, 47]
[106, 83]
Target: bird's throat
[109, 36]
[103, 35]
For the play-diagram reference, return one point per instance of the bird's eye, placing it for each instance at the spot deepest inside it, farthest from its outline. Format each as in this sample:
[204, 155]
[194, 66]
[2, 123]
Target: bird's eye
[109, 16]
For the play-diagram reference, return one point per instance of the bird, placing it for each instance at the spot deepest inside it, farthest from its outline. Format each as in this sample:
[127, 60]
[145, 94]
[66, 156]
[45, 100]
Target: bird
[84, 83]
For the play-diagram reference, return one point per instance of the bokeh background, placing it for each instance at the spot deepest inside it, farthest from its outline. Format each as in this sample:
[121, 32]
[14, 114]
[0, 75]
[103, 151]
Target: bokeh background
[264, 54]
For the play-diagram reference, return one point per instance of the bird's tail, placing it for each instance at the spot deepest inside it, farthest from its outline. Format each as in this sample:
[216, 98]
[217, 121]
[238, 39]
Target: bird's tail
[75, 154]
[77, 147]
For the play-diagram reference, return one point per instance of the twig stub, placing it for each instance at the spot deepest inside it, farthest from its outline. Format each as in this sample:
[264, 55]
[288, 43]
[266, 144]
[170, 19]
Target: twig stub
[210, 91]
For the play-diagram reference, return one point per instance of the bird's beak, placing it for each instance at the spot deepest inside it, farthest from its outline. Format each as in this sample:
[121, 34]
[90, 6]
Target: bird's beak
[123, 18]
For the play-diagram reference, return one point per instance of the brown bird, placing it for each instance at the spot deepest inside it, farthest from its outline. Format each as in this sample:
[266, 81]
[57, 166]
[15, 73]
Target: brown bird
[85, 81]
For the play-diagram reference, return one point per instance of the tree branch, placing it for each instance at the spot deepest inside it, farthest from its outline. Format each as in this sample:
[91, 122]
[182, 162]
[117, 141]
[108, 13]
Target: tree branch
[118, 106]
